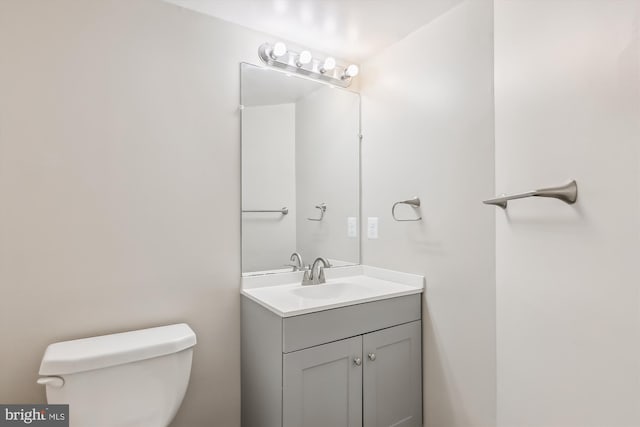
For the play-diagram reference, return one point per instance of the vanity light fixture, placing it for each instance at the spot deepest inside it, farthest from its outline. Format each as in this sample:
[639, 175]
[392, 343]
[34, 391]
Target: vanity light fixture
[304, 58]
[324, 69]
[328, 65]
[278, 50]
[351, 71]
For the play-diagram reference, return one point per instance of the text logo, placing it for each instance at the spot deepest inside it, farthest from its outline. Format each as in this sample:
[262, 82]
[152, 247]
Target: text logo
[34, 415]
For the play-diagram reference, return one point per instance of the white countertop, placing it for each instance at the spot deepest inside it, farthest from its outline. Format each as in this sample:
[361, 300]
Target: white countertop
[284, 295]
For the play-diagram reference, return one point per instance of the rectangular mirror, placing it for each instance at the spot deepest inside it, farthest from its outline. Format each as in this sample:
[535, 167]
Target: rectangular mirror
[300, 171]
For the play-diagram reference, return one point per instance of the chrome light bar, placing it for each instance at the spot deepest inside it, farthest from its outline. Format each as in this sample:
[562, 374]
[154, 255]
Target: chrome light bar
[277, 55]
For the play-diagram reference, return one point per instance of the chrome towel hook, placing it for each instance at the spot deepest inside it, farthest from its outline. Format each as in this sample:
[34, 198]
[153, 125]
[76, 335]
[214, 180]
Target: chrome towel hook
[323, 209]
[414, 203]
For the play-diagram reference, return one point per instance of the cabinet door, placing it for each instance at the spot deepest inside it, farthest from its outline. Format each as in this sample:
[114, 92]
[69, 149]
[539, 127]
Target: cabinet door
[322, 386]
[392, 383]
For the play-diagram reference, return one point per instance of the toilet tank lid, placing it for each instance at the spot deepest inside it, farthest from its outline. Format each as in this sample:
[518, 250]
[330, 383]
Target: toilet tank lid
[70, 357]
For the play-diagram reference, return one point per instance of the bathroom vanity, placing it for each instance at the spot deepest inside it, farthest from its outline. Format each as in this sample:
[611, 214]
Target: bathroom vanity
[343, 353]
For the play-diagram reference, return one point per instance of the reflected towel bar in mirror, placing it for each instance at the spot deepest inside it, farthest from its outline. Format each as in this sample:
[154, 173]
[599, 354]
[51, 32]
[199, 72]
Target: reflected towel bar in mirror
[567, 193]
[414, 203]
[282, 211]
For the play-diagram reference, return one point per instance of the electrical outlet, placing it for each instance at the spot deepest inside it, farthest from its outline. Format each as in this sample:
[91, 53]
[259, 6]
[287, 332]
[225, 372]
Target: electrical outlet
[352, 227]
[372, 227]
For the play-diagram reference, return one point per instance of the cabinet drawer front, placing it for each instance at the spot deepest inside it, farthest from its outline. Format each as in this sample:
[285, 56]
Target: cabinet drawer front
[313, 329]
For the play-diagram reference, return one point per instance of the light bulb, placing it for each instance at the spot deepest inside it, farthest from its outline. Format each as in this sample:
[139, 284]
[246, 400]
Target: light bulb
[304, 58]
[351, 71]
[328, 65]
[278, 50]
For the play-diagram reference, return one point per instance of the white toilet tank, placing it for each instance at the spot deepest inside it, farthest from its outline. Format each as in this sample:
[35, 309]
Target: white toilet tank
[131, 379]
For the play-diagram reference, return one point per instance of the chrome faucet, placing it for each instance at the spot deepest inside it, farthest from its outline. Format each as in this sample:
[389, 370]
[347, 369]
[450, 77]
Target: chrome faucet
[313, 278]
[296, 258]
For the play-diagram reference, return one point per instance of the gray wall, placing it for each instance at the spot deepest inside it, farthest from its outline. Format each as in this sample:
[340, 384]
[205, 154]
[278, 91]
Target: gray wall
[568, 106]
[428, 131]
[119, 181]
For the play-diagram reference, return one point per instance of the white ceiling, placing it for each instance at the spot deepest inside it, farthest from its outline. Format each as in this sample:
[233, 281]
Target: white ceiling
[348, 29]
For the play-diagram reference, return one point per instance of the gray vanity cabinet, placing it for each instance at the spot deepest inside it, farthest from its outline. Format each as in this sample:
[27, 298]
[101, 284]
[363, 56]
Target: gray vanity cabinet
[392, 384]
[322, 385]
[354, 366]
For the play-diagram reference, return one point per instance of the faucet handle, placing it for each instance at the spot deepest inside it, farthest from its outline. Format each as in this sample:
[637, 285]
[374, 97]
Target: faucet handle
[321, 278]
[297, 258]
[306, 279]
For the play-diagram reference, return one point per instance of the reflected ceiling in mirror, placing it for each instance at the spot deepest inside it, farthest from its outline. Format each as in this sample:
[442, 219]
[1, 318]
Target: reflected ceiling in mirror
[300, 171]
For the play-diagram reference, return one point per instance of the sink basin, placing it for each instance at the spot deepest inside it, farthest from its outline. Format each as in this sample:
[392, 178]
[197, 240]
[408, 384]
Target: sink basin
[329, 290]
[293, 299]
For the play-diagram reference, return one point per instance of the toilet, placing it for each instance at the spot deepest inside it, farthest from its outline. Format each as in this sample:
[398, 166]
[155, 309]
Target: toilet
[130, 379]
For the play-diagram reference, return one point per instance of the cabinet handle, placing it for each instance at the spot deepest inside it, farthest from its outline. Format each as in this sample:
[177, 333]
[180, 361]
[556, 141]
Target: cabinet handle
[357, 361]
[372, 356]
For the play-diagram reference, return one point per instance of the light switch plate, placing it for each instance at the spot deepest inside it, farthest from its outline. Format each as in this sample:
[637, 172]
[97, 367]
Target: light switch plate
[372, 227]
[352, 227]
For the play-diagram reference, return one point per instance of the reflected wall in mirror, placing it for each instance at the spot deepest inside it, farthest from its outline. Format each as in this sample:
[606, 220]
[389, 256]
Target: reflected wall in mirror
[300, 151]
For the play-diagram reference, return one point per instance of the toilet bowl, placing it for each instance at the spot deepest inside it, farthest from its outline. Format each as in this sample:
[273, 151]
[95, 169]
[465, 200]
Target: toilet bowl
[130, 379]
